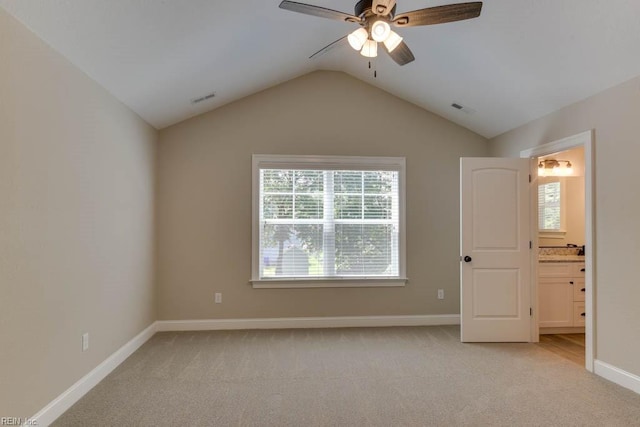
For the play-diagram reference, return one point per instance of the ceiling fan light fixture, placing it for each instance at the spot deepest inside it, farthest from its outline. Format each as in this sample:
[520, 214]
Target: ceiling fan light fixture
[376, 18]
[370, 49]
[380, 31]
[392, 41]
[358, 38]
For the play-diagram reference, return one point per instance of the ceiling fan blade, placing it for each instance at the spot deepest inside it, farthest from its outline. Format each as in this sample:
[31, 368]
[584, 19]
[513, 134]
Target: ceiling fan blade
[401, 54]
[321, 12]
[439, 14]
[383, 7]
[339, 42]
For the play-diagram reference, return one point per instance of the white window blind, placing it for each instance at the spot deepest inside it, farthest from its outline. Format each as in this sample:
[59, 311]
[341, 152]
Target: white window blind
[549, 206]
[333, 223]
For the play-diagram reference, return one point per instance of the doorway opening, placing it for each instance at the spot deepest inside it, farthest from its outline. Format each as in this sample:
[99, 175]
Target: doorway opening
[563, 233]
[561, 250]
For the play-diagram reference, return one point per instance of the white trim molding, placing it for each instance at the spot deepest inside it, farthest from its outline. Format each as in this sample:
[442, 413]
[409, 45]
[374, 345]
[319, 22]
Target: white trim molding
[330, 163]
[563, 144]
[307, 322]
[69, 397]
[328, 283]
[617, 375]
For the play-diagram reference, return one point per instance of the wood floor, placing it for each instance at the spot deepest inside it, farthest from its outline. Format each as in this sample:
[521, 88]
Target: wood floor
[569, 346]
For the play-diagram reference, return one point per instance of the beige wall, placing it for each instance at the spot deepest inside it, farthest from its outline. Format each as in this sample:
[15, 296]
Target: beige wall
[575, 211]
[204, 198]
[76, 222]
[614, 116]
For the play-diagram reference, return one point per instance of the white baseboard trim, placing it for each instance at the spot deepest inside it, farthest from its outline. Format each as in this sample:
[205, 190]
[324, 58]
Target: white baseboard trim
[69, 397]
[306, 322]
[617, 375]
[60, 404]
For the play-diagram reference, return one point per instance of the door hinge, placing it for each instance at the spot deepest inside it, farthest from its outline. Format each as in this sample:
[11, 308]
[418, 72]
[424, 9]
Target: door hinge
[530, 311]
[530, 244]
[529, 177]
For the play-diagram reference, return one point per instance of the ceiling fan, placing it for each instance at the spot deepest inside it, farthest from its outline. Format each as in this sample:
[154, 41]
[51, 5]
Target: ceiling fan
[376, 17]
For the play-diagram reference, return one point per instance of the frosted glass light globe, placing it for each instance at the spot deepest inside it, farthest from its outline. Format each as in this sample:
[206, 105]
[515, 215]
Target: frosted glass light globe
[380, 30]
[370, 49]
[357, 38]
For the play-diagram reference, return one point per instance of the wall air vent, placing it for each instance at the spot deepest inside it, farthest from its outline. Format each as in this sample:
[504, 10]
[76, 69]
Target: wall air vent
[202, 98]
[463, 108]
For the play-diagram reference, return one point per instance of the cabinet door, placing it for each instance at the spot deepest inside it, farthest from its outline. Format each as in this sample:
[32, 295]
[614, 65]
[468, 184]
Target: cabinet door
[556, 302]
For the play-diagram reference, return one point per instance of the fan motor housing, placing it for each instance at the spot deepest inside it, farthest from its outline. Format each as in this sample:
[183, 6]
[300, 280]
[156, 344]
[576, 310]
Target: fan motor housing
[364, 6]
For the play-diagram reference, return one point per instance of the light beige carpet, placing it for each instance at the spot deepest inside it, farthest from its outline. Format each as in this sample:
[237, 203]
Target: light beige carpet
[420, 376]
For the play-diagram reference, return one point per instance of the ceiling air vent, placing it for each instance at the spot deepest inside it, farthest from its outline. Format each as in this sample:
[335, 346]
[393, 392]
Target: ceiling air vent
[203, 98]
[463, 108]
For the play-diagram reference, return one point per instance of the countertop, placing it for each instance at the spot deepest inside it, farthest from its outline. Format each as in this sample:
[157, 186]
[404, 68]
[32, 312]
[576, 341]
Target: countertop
[561, 258]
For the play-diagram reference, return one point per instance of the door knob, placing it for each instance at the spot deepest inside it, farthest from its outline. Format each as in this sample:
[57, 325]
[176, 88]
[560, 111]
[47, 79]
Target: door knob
[467, 258]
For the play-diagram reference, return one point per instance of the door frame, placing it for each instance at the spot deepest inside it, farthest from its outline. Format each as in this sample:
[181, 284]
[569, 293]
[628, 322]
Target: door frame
[587, 140]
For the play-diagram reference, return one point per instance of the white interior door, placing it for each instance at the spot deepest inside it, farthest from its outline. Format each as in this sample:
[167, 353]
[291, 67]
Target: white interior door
[495, 250]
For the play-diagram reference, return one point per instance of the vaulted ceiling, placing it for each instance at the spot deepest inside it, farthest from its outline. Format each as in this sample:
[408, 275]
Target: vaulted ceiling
[518, 61]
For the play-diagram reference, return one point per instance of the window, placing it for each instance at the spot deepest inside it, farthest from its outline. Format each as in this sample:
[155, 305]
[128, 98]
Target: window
[328, 221]
[551, 208]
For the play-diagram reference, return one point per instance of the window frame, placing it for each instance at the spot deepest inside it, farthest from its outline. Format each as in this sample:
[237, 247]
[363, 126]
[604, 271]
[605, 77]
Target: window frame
[271, 161]
[554, 233]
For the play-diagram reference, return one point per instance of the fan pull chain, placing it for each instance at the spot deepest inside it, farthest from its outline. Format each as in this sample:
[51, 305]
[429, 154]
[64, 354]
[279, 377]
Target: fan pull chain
[375, 72]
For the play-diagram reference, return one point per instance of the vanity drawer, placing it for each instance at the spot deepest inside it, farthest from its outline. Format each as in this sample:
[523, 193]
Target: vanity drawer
[578, 314]
[578, 269]
[555, 269]
[578, 290]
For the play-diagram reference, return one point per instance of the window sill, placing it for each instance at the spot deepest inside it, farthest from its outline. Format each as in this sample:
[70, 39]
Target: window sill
[368, 282]
[551, 234]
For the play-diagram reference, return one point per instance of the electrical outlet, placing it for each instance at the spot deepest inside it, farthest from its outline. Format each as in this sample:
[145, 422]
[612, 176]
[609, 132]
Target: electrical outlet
[440, 293]
[85, 341]
[218, 298]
